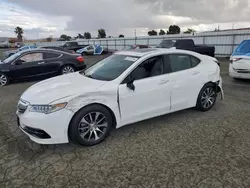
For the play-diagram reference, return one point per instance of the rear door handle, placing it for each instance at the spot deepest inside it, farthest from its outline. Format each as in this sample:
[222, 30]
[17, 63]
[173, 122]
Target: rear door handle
[195, 73]
[40, 63]
[163, 82]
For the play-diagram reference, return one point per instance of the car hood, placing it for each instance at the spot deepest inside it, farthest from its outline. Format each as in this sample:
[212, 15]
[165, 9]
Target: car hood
[60, 87]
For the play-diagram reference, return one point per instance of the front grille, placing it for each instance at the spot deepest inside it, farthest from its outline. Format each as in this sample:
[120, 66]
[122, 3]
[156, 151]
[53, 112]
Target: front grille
[22, 106]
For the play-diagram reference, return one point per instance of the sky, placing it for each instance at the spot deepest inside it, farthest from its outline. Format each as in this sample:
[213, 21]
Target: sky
[44, 18]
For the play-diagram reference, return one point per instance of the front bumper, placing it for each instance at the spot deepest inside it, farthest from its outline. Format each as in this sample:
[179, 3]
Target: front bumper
[46, 128]
[233, 73]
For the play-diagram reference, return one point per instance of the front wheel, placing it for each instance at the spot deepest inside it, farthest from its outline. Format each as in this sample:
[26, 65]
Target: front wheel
[91, 125]
[207, 97]
[67, 69]
[4, 80]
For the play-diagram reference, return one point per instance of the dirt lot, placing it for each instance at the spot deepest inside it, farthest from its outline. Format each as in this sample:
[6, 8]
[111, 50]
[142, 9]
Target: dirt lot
[187, 149]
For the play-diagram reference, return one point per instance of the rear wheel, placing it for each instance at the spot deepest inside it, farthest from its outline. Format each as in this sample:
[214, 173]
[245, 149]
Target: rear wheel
[91, 125]
[207, 97]
[4, 80]
[67, 69]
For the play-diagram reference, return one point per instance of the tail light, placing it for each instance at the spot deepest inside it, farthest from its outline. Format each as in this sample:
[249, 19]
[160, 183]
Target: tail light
[234, 59]
[80, 59]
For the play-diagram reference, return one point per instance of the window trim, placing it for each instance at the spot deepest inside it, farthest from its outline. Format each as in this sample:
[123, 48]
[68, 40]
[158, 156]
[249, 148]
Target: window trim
[189, 55]
[161, 55]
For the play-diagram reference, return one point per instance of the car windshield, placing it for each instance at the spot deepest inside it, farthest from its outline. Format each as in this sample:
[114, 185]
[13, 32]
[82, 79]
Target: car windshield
[11, 58]
[110, 68]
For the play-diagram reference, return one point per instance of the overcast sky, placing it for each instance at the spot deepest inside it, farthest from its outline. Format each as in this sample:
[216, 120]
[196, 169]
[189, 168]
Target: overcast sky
[42, 18]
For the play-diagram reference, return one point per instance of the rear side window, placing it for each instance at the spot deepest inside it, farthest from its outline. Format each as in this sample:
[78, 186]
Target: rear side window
[49, 55]
[180, 62]
[195, 61]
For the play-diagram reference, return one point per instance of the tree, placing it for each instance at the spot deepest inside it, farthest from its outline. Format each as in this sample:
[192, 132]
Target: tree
[19, 33]
[121, 36]
[87, 35]
[162, 32]
[101, 33]
[174, 29]
[152, 33]
[65, 37]
[49, 39]
[188, 31]
[80, 36]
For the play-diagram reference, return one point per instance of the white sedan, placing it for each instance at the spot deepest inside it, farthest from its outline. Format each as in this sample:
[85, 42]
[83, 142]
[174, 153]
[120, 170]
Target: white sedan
[239, 67]
[124, 88]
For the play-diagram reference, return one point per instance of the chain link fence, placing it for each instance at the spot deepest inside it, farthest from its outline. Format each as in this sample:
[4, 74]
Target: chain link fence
[225, 42]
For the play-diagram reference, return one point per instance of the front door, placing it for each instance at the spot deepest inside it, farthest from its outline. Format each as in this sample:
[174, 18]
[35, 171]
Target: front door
[29, 65]
[151, 94]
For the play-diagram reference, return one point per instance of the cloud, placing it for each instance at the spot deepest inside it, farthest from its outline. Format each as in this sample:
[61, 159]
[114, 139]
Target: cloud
[122, 16]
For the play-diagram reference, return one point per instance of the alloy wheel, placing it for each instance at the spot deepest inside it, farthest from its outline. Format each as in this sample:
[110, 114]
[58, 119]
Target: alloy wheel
[68, 69]
[93, 126]
[3, 80]
[208, 97]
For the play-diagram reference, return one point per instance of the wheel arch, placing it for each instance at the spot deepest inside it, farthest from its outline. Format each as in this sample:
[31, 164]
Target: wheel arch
[96, 103]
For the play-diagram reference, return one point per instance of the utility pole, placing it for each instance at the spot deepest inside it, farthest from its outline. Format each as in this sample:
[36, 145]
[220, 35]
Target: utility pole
[135, 32]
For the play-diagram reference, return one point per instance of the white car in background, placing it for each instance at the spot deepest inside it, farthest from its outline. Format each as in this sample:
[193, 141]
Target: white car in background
[239, 67]
[124, 88]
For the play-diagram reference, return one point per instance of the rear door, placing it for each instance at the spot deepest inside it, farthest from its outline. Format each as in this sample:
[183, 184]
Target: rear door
[52, 62]
[28, 65]
[185, 80]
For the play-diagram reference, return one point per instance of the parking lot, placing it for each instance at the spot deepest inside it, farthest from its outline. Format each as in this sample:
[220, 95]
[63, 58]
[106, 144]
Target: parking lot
[187, 149]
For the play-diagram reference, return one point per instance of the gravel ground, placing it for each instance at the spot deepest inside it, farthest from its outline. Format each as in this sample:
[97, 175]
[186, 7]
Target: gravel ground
[187, 149]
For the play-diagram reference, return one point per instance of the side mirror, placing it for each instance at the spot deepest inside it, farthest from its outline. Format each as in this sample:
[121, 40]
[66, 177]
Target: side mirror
[130, 83]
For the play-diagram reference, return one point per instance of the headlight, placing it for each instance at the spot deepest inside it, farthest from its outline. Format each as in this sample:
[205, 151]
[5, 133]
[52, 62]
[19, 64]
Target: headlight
[47, 109]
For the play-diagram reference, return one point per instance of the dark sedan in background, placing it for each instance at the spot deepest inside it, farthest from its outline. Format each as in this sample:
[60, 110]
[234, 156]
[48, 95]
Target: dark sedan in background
[39, 62]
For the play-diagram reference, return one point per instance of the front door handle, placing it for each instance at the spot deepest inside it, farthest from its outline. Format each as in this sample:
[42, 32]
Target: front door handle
[163, 82]
[40, 63]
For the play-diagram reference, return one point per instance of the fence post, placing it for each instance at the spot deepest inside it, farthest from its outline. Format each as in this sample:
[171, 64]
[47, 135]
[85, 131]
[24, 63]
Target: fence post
[233, 43]
[204, 39]
[107, 43]
[124, 44]
[115, 44]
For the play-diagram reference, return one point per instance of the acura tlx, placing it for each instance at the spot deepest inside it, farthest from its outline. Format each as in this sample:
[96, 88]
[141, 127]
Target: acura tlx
[124, 88]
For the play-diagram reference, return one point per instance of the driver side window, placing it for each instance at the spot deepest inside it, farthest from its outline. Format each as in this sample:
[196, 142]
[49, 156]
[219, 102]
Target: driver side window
[149, 68]
[31, 57]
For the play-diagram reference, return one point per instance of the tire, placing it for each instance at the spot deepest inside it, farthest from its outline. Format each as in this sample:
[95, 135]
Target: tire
[4, 79]
[85, 132]
[207, 97]
[67, 69]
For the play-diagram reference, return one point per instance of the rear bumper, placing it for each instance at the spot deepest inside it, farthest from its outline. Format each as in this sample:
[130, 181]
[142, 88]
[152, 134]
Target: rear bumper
[81, 67]
[233, 73]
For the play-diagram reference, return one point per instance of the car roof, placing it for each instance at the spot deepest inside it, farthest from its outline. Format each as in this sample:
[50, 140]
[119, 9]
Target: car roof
[147, 51]
[44, 50]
